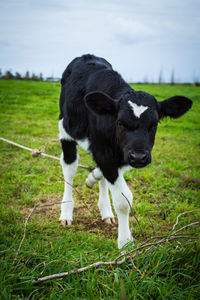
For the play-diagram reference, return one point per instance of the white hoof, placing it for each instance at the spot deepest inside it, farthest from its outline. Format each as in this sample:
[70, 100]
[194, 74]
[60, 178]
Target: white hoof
[109, 221]
[66, 222]
[123, 242]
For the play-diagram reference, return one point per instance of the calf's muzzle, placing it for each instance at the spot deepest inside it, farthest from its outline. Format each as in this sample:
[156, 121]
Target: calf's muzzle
[139, 159]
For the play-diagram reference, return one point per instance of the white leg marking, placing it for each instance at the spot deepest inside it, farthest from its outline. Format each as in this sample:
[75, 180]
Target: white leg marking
[63, 135]
[137, 109]
[67, 205]
[85, 144]
[93, 177]
[122, 208]
[104, 200]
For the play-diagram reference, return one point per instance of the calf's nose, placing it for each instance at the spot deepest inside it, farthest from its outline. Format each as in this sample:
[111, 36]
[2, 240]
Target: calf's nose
[138, 157]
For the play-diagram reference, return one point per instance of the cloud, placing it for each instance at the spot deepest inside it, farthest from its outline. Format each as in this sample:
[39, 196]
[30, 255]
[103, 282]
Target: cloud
[131, 31]
[137, 37]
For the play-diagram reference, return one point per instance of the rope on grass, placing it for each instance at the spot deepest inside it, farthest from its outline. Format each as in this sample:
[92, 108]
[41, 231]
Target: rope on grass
[38, 152]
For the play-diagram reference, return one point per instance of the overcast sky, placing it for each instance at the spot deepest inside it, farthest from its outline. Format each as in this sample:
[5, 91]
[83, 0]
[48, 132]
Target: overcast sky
[138, 37]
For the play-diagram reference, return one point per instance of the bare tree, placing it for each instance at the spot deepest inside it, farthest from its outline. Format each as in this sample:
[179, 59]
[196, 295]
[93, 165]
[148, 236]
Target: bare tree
[172, 81]
[18, 76]
[160, 77]
[27, 76]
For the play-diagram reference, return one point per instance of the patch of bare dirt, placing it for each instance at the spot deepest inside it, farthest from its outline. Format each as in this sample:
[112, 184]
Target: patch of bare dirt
[86, 216]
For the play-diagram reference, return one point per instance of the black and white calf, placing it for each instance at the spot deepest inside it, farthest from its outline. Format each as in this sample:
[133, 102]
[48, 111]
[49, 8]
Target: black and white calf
[116, 124]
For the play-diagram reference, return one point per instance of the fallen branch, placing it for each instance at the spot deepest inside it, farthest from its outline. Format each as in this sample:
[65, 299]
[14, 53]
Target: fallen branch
[5, 251]
[186, 226]
[26, 222]
[184, 213]
[154, 244]
[116, 261]
[38, 152]
[123, 257]
[80, 270]
[24, 235]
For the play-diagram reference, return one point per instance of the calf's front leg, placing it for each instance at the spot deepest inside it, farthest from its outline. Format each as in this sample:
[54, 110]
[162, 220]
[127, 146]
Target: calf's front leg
[69, 163]
[120, 194]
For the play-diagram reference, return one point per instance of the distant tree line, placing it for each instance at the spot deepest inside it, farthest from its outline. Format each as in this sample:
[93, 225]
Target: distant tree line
[8, 75]
[17, 76]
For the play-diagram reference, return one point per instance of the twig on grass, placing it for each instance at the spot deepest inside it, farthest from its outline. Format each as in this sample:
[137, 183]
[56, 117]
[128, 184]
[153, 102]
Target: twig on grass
[38, 152]
[184, 213]
[186, 226]
[26, 222]
[135, 267]
[24, 235]
[2, 252]
[80, 270]
[116, 261]
[123, 257]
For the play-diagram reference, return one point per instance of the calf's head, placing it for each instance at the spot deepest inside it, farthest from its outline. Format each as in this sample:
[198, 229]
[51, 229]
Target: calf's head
[136, 115]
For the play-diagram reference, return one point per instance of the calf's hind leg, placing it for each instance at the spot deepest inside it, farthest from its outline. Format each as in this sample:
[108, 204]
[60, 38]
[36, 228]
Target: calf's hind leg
[69, 163]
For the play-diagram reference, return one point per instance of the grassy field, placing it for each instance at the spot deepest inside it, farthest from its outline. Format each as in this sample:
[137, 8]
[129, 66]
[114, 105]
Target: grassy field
[161, 191]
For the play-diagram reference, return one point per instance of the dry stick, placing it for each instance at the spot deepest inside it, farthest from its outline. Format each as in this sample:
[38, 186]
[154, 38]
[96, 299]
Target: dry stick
[125, 256]
[76, 190]
[171, 237]
[24, 235]
[165, 236]
[46, 205]
[37, 152]
[134, 216]
[26, 222]
[64, 274]
[184, 213]
[115, 261]
[5, 251]
[186, 226]
[153, 244]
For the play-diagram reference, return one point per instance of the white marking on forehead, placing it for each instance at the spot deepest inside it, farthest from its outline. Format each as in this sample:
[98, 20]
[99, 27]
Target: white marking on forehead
[137, 109]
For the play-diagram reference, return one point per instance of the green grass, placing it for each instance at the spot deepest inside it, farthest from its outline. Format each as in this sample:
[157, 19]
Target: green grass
[169, 186]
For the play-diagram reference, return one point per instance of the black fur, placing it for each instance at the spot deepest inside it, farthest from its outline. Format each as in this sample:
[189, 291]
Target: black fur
[94, 105]
[69, 151]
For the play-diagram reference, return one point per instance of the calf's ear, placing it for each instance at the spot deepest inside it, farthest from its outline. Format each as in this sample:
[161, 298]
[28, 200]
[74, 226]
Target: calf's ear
[100, 103]
[174, 107]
